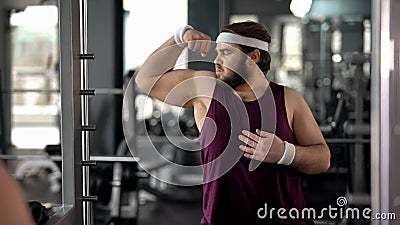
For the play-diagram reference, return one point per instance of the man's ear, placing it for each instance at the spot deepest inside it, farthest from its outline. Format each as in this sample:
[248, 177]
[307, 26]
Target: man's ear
[255, 55]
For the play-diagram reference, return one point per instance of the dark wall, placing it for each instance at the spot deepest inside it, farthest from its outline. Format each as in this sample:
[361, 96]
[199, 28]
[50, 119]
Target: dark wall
[320, 8]
[203, 15]
[105, 41]
[265, 10]
[335, 8]
[260, 7]
[3, 18]
[5, 124]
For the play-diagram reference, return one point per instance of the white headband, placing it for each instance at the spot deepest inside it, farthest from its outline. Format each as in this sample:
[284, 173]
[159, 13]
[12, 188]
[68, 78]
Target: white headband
[241, 40]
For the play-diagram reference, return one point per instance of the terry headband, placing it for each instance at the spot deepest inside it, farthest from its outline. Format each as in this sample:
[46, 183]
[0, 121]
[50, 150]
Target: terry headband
[241, 40]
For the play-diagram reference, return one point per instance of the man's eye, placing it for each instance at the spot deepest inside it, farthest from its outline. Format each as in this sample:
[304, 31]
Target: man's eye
[226, 52]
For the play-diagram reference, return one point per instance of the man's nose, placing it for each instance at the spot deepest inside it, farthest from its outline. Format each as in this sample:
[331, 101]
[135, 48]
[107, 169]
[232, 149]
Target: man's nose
[217, 60]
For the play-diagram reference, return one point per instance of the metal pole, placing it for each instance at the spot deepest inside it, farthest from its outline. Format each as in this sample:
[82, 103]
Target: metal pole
[322, 69]
[70, 83]
[383, 162]
[87, 205]
[359, 175]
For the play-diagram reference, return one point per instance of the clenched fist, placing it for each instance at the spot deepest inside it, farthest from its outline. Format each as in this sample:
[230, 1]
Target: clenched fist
[197, 41]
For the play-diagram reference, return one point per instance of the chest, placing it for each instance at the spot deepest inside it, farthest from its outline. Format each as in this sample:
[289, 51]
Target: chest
[265, 114]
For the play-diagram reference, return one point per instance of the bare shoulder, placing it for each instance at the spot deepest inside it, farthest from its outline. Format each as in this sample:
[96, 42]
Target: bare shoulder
[304, 125]
[295, 105]
[293, 99]
[292, 94]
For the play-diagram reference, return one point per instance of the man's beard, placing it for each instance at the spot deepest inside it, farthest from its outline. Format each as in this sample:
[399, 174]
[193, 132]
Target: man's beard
[239, 75]
[234, 80]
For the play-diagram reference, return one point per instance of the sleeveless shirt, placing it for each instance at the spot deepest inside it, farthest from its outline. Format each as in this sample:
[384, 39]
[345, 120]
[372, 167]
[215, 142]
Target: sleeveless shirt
[233, 194]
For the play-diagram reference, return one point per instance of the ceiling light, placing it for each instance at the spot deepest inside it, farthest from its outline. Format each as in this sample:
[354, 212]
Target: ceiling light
[300, 7]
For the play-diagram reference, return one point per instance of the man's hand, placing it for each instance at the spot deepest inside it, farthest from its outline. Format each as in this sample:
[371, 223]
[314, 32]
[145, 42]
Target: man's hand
[263, 146]
[197, 41]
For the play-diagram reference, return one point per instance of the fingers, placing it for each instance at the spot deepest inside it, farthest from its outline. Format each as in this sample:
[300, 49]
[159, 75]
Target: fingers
[248, 141]
[198, 42]
[206, 48]
[250, 153]
[247, 150]
[192, 45]
[202, 46]
[251, 135]
[257, 144]
[247, 155]
[264, 134]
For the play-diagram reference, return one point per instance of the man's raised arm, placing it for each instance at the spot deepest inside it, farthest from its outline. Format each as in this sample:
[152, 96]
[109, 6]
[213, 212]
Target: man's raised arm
[156, 76]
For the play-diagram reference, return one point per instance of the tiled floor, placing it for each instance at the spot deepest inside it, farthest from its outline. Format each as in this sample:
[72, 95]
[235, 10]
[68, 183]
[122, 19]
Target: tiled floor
[177, 206]
[168, 213]
[160, 212]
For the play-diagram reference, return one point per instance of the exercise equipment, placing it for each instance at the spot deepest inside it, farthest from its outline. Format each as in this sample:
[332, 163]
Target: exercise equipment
[39, 212]
[116, 185]
[347, 132]
[30, 164]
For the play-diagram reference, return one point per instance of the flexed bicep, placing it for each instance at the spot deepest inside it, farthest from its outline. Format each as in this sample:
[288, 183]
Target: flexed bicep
[182, 87]
[157, 77]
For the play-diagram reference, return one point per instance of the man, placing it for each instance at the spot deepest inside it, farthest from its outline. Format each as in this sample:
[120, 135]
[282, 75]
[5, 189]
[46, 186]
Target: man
[257, 137]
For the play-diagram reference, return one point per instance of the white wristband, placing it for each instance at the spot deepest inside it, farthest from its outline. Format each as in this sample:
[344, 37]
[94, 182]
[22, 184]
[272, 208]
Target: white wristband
[179, 35]
[288, 155]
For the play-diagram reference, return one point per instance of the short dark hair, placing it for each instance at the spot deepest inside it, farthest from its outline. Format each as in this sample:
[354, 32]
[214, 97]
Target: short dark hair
[253, 30]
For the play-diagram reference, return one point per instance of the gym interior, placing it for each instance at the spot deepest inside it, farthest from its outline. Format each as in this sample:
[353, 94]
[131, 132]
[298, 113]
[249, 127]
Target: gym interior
[76, 132]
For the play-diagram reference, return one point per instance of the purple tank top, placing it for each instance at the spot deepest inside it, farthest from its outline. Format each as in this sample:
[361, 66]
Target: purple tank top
[232, 194]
